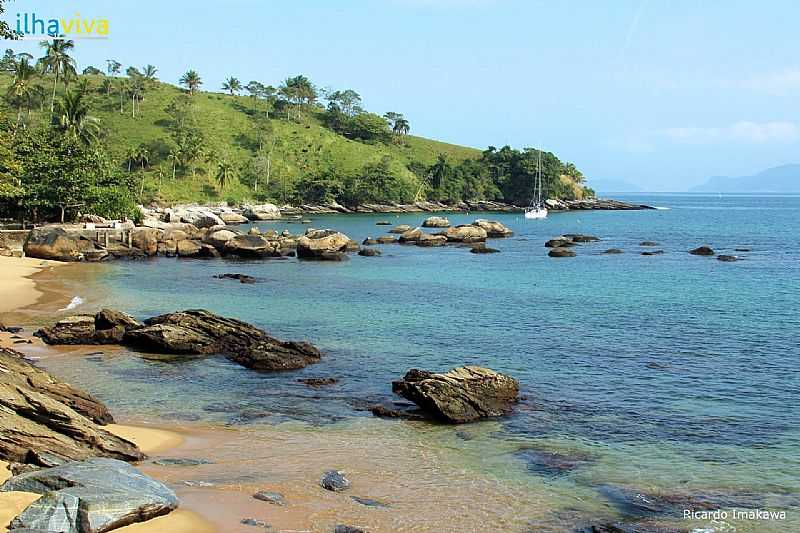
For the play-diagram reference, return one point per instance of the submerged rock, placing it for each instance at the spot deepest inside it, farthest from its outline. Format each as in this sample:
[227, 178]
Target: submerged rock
[654, 252]
[243, 278]
[334, 480]
[386, 239]
[181, 461]
[270, 497]
[461, 395]
[702, 250]
[89, 496]
[581, 238]
[727, 258]
[648, 243]
[46, 422]
[613, 251]
[483, 249]
[369, 502]
[401, 228]
[318, 382]
[550, 463]
[561, 252]
[369, 252]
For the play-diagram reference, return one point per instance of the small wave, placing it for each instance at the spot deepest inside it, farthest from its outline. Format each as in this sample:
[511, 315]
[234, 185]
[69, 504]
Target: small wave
[75, 302]
[662, 208]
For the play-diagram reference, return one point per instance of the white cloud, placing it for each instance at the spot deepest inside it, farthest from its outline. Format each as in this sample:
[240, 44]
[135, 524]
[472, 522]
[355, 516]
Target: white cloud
[779, 82]
[743, 131]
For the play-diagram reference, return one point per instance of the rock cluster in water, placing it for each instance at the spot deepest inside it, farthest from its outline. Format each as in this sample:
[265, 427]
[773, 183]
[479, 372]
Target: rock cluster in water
[192, 332]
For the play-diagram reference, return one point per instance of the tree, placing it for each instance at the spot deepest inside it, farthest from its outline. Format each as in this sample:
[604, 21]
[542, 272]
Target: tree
[191, 80]
[397, 122]
[57, 61]
[21, 92]
[9, 61]
[92, 71]
[174, 157]
[73, 120]
[347, 101]
[149, 72]
[225, 172]
[136, 88]
[232, 85]
[186, 134]
[107, 85]
[113, 66]
[298, 91]
[5, 31]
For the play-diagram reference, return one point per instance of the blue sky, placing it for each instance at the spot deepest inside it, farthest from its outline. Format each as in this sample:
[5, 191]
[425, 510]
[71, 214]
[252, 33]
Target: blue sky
[659, 94]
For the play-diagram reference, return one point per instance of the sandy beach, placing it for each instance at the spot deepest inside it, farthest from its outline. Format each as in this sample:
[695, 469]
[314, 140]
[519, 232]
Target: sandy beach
[19, 290]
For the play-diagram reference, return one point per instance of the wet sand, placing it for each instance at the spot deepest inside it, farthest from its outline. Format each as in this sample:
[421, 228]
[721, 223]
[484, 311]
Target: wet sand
[18, 288]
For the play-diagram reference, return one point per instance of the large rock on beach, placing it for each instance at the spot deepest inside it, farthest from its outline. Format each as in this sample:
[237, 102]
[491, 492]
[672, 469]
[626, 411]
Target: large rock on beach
[91, 496]
[219, 238]
[461, 395]
[436, 222]
[493, 228]
[262, 212]
[200, 217]
[233, 219]
[466, 233]
[147, 239]
[199, 332]
[323, 244]
[46, 422]
[52, 243]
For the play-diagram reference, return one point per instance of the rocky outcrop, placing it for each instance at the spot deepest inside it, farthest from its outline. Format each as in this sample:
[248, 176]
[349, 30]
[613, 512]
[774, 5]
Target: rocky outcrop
[483, 249]
[45, 422]
[493, 228]
[91, 496]
[219, 238]
[262, 212]
[233, 219]
[198, 217]
[426, 239]
[436, 222]
[249, 246]
[401, 228]
[410, 236]
[106, 327]
[461, 395]
[386, 239]
[147, 239]
[199, 332]
[323, 244]
[466, 234]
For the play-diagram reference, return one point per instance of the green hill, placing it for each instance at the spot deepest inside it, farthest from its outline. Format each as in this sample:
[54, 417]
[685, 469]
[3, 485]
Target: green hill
[303, 146]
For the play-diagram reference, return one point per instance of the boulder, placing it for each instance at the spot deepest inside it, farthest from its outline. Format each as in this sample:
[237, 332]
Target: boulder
[580, 238]
[493, 228]
[175, 234]
[252, 246]
[233, 219]
[189, 248]
[147, 239]
[561, 252]
[386, 239]
[412, 235]
[461, 395]
[198, 332]
[335, 480]
[262, 212]
[727, 258]
[91, 496]
[270, 497]
[218, 239]
[106, 327]
[201, 218]
[369, 241]
[703, 250]
[431, 240]
[483, 249]
[344, 528]
[369, 252]
[52, 243]
[45, 422]
[436, 222]
[559, 242]
[401, 228]
[466, 233]
[322, 244]
[254, 231]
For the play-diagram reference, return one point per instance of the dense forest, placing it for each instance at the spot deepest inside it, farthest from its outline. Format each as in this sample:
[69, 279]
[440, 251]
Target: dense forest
[102, 140]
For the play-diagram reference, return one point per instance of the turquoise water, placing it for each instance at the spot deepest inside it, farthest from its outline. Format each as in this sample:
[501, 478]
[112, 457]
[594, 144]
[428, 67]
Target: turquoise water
[670, 371]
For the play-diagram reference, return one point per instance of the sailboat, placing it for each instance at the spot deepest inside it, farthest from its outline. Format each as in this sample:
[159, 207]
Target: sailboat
[537, 209]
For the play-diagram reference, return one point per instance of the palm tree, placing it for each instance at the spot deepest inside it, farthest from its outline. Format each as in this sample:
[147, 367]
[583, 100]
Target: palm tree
[143, 156]
[136, 88]
[401, 126]
[57, 61]
[233, 85]
[224, 173]
[131, 157]
[149, 72]
[107, 85]
[21, 92]
[191, 80]
[113, 66]
[174, 157]
[73, 119]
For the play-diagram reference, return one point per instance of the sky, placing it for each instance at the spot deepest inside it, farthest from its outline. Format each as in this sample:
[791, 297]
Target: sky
[659, 94]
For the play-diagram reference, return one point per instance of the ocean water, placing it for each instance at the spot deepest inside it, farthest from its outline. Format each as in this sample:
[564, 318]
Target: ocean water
[666, 374]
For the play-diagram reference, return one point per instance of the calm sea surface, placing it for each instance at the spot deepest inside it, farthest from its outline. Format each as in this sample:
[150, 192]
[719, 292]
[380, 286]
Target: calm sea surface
[669, 373]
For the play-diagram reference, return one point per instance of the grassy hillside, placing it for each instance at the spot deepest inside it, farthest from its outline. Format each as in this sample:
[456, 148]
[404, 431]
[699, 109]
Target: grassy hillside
[303, 147]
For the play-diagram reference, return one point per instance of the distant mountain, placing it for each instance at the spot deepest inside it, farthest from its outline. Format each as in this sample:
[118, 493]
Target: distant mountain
[602, 186]
[782, 179]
